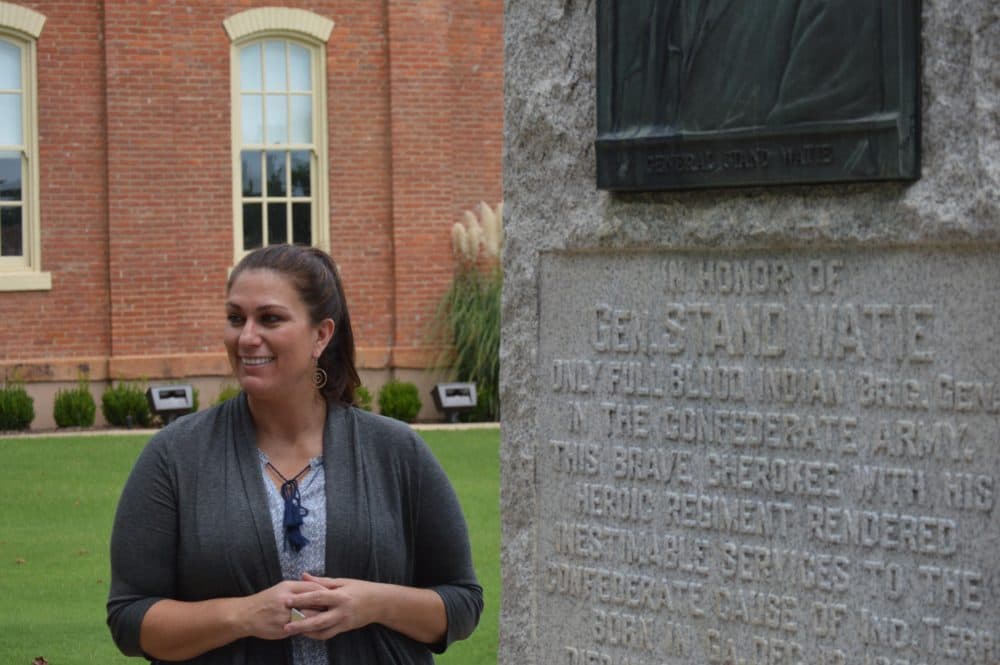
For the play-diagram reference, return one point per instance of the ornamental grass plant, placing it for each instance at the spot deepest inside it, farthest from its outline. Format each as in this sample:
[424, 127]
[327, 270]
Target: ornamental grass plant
[469, 315]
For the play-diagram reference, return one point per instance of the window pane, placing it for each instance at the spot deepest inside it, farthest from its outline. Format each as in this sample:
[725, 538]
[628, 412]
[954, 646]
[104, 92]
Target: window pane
[277, 232]
[10, 176]
[250, 68]
[10, 66]
[276, 178]
[277, 119]
[299, 68]
[250, 161]
[252, 119]
[302, 119]
[10, 120]
[274, 66]
[253, 226]
[300, 173]
[10, 232]
[301, 224]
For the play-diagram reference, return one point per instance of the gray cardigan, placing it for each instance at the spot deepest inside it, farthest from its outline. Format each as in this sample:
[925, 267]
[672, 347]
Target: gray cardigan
[193, 524]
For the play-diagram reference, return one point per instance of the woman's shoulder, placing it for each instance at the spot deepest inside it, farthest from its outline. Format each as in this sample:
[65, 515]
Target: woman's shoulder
[375, 421]
[195, 429]
[385, 435]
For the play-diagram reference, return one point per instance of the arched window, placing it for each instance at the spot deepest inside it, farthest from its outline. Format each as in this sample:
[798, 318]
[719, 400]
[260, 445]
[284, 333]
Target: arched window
[279, 128]
[20, 244]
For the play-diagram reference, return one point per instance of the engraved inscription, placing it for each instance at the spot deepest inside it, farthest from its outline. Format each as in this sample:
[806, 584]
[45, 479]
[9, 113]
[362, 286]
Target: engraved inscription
[756, 459]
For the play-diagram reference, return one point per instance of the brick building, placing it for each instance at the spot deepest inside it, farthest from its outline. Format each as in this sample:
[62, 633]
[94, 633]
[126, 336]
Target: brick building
[145, 145]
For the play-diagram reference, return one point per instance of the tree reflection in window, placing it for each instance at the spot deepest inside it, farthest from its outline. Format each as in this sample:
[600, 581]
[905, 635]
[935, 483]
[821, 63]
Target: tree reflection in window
[12, 148]
[277, 157]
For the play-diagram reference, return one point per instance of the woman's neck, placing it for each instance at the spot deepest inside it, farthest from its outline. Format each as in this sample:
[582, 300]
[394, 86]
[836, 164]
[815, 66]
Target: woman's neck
[289, 429]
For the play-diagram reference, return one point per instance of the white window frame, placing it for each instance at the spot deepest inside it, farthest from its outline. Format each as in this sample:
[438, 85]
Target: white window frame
[22, 27]
[312, 32]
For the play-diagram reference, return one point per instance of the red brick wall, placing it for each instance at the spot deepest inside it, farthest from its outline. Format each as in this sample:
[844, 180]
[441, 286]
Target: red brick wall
[361, 167]
[73, 318]
[476, 48]
[169, 174]
[447, 98]
[136, 198]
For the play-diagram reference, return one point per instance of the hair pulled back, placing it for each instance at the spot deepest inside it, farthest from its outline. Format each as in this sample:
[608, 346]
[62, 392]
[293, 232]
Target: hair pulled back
[314, 275]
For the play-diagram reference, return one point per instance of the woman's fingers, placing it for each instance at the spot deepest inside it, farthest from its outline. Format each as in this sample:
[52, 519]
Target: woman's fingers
[268, 612]
[318, 625]
[319, 600]
[326, 582]
[343, 604]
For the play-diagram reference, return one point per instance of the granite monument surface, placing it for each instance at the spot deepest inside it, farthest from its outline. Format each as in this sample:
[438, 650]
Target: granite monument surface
[750, 426]
[768, 457]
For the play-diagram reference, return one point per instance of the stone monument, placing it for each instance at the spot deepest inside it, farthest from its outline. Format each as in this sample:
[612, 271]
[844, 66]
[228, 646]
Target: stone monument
[750, 426]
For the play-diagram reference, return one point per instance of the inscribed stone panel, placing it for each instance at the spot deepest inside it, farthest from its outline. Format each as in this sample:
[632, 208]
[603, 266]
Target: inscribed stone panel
[769, 458]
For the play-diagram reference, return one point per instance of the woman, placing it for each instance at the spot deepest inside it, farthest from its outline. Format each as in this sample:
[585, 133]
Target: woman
[286, 526]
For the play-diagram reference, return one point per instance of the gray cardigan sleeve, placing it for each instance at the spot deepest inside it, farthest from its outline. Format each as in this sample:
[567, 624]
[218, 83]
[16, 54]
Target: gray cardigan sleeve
[443, 556]
[143, 546]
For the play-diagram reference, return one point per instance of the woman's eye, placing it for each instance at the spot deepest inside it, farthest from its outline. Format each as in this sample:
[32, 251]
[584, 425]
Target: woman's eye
[234, 319]
[270, 319]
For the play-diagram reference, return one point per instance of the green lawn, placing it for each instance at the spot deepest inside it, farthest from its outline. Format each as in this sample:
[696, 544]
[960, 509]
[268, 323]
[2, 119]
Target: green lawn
[57, 502]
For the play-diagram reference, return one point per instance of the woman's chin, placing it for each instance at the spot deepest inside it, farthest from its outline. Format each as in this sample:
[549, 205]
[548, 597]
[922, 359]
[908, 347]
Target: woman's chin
[255, 388]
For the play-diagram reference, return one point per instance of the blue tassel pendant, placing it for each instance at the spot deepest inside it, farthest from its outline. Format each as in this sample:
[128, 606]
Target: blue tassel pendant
[294, 512]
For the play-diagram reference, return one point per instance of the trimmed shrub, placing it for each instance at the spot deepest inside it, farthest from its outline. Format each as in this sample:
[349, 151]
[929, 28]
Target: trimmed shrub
[363, 398]
[17, 407]
[399, 400]
[125, 405]
[75, 407]
[228, 391]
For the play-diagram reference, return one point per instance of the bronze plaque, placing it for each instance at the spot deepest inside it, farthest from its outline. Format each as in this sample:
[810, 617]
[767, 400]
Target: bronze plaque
[715, 93]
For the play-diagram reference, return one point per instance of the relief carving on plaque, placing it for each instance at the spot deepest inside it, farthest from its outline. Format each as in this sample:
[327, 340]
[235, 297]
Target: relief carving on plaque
[696, 93]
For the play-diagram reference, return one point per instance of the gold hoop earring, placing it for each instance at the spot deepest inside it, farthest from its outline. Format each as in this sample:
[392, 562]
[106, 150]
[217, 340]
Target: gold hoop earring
[319, 378]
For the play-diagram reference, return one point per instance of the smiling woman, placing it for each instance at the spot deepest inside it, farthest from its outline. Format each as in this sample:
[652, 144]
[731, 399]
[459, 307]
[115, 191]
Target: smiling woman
[289, 295]
[289, 498]
[272, 342]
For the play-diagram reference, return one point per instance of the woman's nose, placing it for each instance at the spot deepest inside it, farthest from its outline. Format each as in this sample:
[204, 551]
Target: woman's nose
[248, 335]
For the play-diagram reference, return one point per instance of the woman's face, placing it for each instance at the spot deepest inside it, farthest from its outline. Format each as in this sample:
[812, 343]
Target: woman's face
[271, 341]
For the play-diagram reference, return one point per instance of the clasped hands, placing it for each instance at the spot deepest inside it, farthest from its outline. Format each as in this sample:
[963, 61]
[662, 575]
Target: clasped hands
[331, 606]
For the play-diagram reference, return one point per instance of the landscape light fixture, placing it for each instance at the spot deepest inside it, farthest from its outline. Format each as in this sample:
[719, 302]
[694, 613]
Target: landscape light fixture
[454, 398]
[170, 402]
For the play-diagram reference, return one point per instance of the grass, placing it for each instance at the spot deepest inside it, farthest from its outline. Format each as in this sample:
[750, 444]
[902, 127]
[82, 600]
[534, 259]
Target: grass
[58, 497]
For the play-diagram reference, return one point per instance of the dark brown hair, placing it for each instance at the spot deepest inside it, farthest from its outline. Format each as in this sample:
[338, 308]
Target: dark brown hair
[314, 275]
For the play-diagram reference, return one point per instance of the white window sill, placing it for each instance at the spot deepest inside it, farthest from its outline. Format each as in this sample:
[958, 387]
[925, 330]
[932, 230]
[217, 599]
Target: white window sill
[25, 281]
